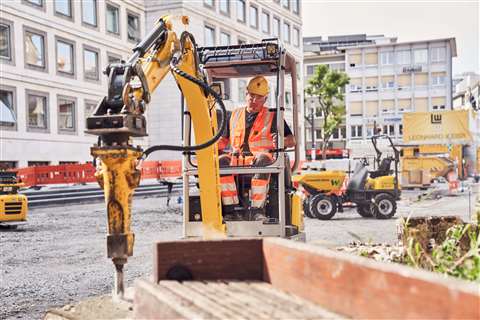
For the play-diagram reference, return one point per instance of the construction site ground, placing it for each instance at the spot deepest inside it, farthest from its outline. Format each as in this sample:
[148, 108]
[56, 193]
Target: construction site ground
[58, 258]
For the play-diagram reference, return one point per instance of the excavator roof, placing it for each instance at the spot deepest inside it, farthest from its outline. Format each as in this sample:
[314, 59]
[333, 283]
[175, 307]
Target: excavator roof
[246, 60]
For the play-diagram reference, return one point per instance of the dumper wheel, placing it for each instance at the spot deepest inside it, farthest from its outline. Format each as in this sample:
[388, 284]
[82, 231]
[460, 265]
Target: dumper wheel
[364, 210]
[384, 206]
[322, 207]
[306, 208]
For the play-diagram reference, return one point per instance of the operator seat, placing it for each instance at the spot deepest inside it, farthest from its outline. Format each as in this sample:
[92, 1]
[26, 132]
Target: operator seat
[383, 168]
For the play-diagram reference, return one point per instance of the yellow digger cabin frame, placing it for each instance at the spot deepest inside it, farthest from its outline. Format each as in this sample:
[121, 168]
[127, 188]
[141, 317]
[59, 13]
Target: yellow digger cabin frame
[13, 206]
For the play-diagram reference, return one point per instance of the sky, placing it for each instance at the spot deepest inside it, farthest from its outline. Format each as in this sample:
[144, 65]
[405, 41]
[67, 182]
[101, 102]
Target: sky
[407, 20]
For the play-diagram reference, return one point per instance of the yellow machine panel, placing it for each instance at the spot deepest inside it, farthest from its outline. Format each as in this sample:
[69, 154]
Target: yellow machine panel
[13, 207]
[297, 211]
[325, 181]
[381, 183]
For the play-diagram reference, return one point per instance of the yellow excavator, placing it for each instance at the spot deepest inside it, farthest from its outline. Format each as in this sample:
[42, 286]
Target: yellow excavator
[13, 206]
[120, 116]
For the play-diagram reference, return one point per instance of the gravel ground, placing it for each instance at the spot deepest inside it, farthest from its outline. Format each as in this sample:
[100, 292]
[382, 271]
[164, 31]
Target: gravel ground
[59, 256]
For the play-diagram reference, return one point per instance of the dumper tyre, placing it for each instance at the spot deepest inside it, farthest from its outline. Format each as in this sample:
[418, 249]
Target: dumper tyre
[323, 207]
[384, 206]
[364, 210]
[306, 208]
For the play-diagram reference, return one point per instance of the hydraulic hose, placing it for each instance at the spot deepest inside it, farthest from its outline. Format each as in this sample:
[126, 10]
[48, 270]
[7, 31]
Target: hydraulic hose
[206, 88]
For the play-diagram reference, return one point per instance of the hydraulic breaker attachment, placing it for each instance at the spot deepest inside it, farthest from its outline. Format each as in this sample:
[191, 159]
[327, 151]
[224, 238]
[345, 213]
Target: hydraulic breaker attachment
[118, 177]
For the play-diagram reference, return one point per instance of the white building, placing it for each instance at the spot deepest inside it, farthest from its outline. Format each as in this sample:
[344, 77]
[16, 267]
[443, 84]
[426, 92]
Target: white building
[53, 52]
[387, 80]
[467, 92]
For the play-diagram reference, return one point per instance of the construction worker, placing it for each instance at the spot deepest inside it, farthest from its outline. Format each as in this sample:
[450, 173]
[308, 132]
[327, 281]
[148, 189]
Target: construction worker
[252, 133]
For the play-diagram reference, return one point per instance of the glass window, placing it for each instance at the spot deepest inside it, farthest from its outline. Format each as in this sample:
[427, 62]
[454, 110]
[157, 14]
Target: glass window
[90, 62]
[209, 36]
[241, 10]
[296, 37]
[286, 32]
[113, 19]
[34, 49]
[113, 59]
[66, 114]
[310, 70]
[38, 3]
[224, 39]
[89, 108]
[420, 56]
[438, 54]
[224, 6]
[7, 111]
[208, 3]
[241, 41]
[400, 129]
[37, 111]
[265, 22]
[133, 27]
[296, 6]
[63, 7]
[386, 58]
[89, 12]
[65, 57]
[286, 4]
[254, 17]
[403, 57]
[356, 131]
[276, 27]
[438, 80]
[5, 42]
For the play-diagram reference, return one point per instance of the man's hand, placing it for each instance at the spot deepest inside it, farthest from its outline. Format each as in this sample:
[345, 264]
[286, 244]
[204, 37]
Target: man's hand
[288, 142]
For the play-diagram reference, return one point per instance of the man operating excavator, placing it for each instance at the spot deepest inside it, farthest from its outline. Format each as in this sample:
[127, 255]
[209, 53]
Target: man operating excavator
[252, 133]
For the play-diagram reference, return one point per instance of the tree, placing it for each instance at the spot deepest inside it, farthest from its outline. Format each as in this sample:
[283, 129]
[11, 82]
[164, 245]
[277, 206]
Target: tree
[326, 85]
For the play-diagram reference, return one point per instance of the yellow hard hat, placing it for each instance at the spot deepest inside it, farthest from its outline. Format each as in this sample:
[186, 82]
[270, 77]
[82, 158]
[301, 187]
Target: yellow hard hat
[258, 85]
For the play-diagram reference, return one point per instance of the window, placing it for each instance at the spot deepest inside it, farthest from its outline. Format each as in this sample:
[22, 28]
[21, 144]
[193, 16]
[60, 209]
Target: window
[112, 58]
[37, 111]
[286, 4]
[388, 82]
[133, 28]
[224, 39]
[389, 130]
[296, 6]
[241, 11]
[35, 49]
[224, 7]
[66, 114]
[336, 134]
[288, 100]
[89, 108]
[276, 27]
[208, 3]
[35, 3]
[112, 19]
[286, 32]
[8, 116]
[90, 64]
[242, 87]
[265, 22]
[209, 36]
[354, 60]
[241, 41]
[356, 131]
[403, 57]
[89, 12]
[38, 163]
[296, 37]
[438, 54]
[420, 56]
[9, 164]
[400, 130]
[254, 17]
[355, 88]
[438, 107]
[63, 7]
[386, 58]
[438, 79]
[318, 134]
[65, 57]
[310, 70]
[5, 42]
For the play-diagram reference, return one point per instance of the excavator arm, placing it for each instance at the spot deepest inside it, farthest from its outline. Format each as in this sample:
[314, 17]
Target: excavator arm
[120, 116]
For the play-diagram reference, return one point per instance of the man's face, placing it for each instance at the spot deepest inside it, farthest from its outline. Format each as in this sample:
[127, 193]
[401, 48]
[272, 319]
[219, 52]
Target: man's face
[255, 102]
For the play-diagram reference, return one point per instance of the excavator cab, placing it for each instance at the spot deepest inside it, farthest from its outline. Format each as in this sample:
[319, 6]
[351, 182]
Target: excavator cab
[283, 206]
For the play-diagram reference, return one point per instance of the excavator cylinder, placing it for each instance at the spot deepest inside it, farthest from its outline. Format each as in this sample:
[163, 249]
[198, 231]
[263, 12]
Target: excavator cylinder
[118, 177]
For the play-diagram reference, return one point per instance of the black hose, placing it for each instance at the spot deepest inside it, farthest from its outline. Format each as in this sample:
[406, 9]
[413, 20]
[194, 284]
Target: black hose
[223, 110]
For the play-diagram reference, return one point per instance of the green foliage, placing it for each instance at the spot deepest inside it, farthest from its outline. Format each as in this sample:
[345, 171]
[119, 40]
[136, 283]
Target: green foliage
[449, 257]
[327, 85]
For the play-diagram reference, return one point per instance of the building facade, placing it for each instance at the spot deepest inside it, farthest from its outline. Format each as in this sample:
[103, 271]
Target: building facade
[387, 80]
[467, 92]
[320, 51]
[52, 54]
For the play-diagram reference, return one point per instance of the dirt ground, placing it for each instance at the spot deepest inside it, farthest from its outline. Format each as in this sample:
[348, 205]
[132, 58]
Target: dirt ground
[59, 257]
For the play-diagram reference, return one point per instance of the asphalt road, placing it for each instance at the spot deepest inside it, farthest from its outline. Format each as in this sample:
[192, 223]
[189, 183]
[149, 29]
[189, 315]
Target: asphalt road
[59, 256]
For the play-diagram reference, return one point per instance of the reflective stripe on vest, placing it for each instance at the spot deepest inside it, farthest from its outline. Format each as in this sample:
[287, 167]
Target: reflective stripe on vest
[228, 190]
[258, 193]
[260, 137]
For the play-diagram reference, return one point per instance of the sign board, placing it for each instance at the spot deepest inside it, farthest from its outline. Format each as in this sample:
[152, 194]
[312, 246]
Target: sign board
[445, 127]
[412, 69]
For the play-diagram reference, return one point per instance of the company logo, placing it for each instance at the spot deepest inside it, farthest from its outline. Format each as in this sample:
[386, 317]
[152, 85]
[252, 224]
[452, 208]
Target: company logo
[335, 182]
[436, 118]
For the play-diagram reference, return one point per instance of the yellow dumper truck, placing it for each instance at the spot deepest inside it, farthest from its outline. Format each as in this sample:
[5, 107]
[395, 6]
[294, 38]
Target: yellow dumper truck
[13, 206]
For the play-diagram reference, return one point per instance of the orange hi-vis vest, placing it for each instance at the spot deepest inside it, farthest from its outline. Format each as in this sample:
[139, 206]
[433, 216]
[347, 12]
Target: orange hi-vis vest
[260, 137]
